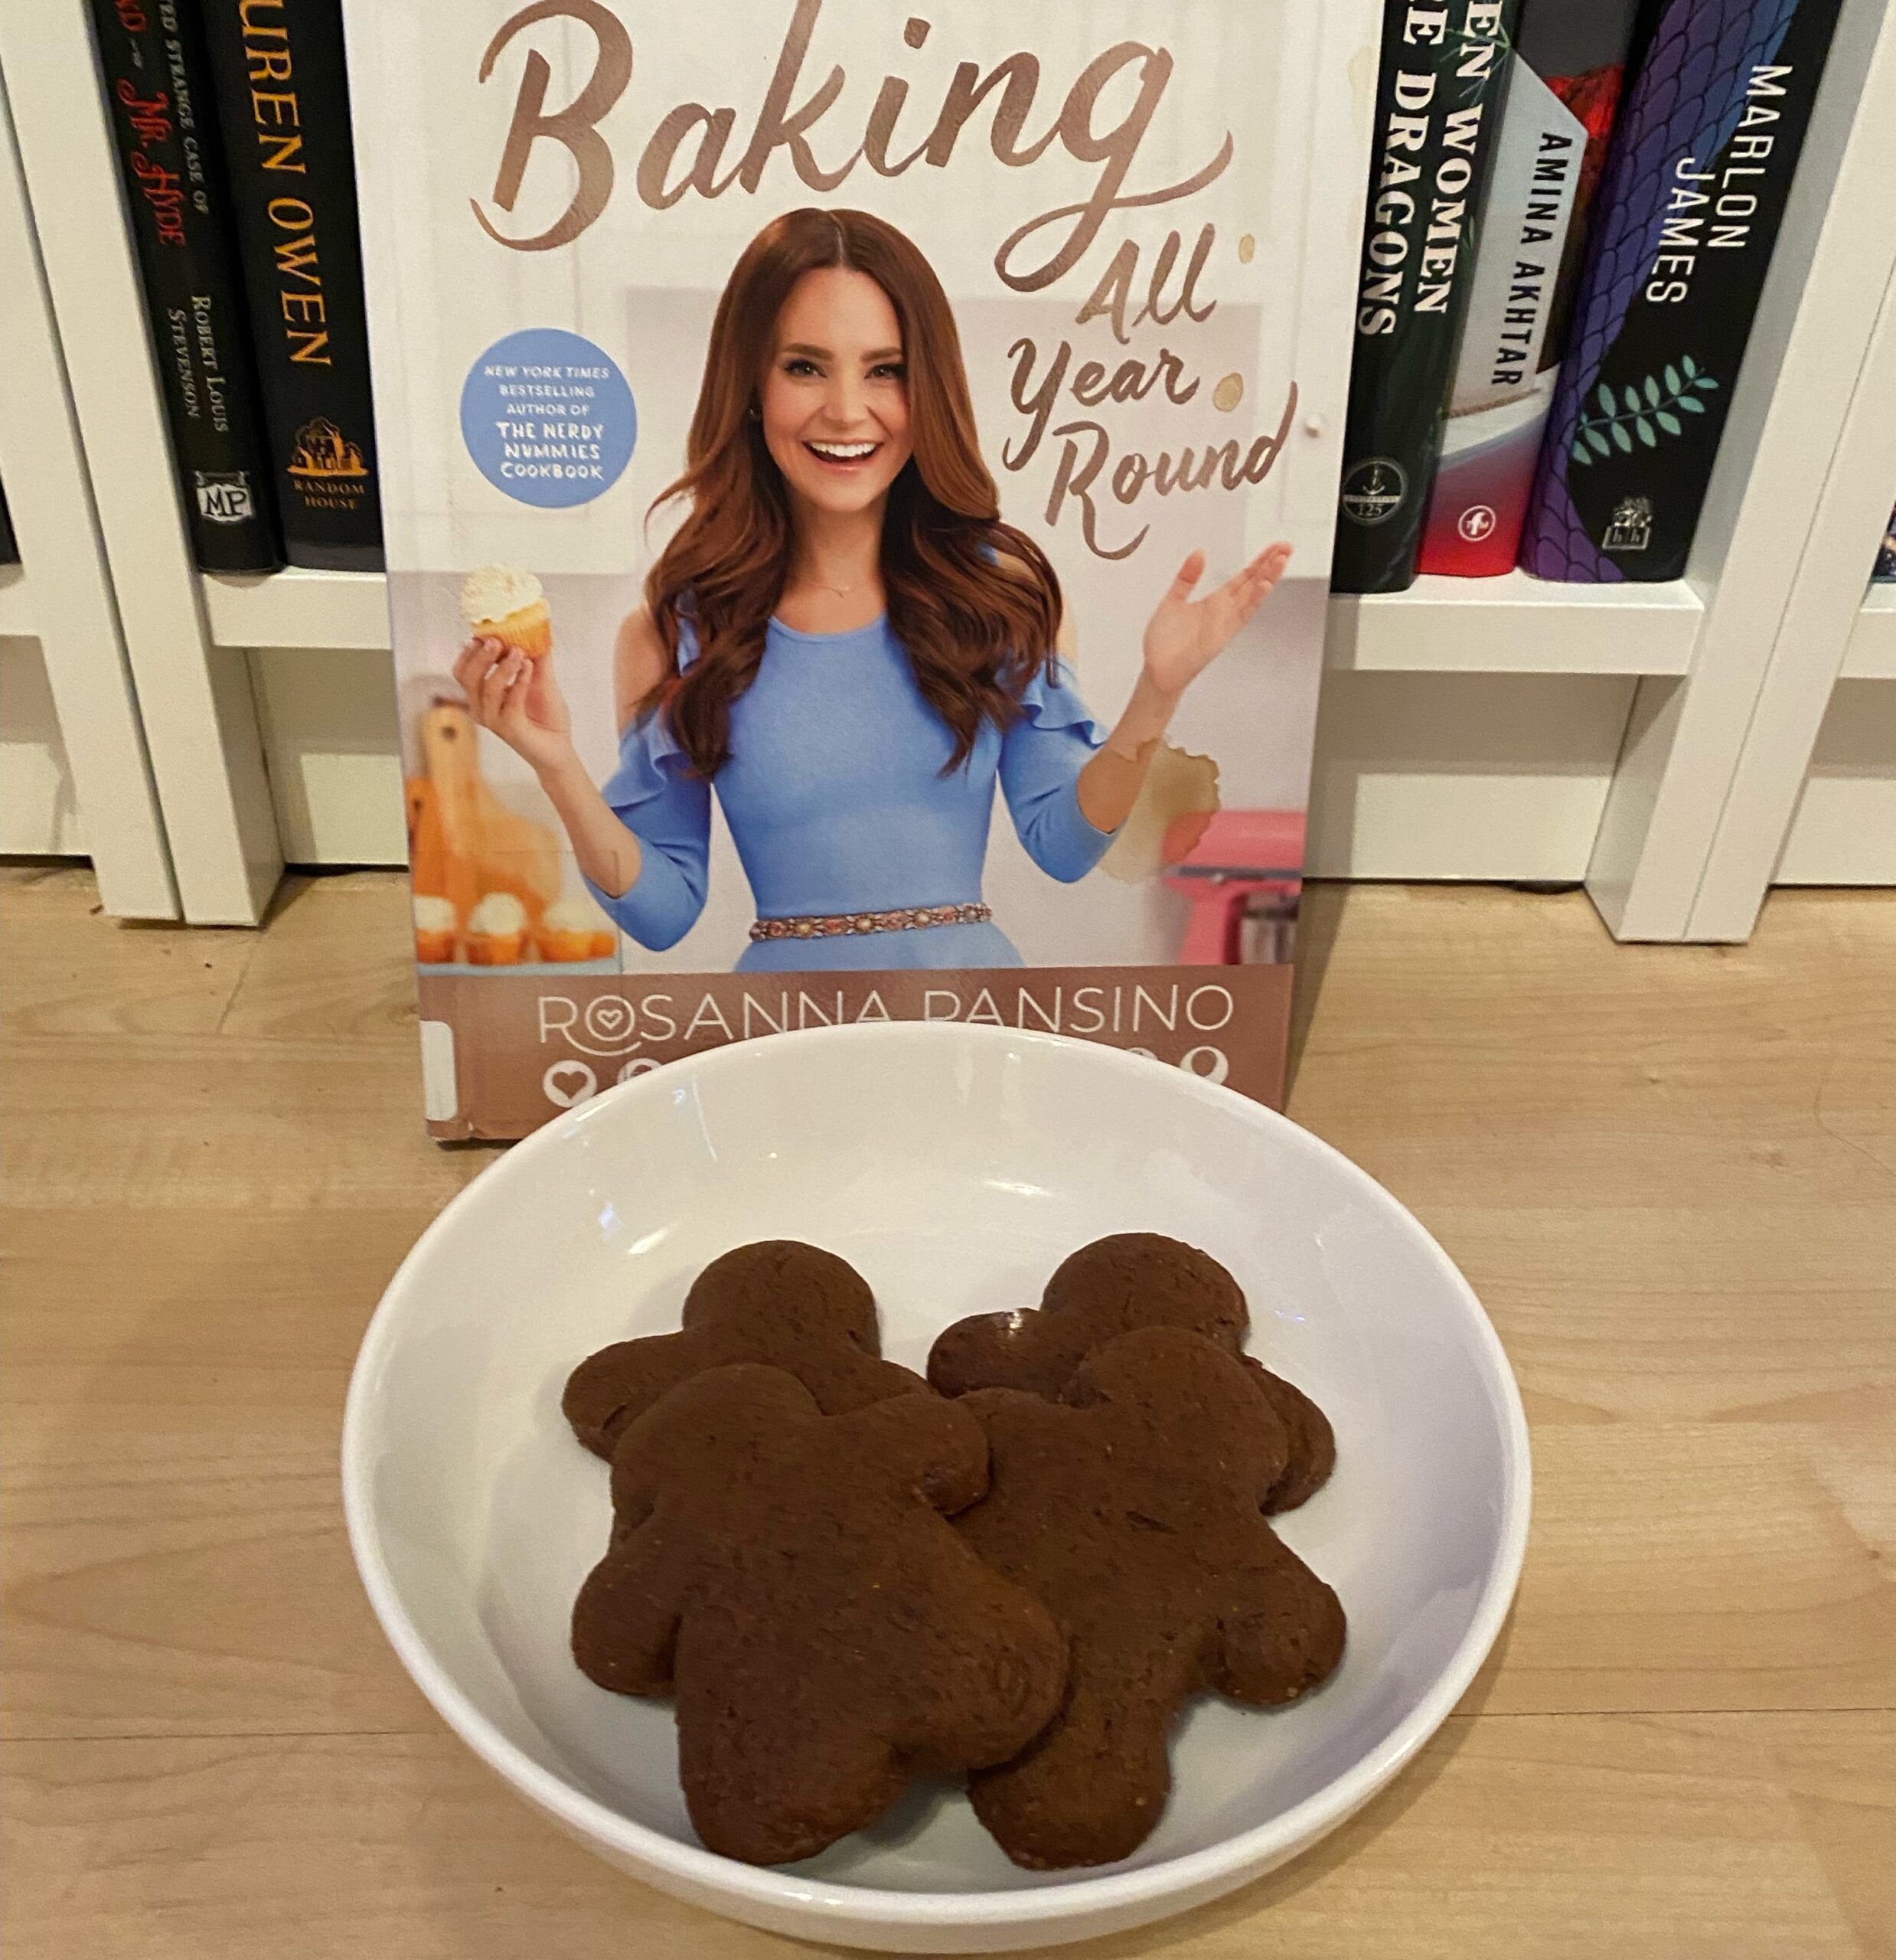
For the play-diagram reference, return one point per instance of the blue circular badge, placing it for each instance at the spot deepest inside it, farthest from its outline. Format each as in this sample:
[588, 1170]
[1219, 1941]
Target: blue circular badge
[548, 418]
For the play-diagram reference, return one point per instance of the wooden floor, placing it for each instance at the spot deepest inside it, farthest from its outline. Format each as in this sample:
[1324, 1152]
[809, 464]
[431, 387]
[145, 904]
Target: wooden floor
[1670, 1172]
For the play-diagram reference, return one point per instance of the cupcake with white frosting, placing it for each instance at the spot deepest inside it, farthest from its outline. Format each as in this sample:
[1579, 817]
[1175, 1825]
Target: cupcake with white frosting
[502, 602]
[437, 926]
[497, 931]
[573, 928]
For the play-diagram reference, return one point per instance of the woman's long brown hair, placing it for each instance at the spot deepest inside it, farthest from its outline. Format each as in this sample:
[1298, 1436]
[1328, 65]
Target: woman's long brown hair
[974, 601]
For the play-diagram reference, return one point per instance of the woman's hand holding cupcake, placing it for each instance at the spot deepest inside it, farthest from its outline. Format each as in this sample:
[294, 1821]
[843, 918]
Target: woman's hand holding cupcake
[506, 668]
[514, 696]
[506, 671]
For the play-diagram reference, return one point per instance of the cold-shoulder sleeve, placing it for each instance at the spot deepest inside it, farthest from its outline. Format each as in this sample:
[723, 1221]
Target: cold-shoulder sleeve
[653, 793]
[1041, 757]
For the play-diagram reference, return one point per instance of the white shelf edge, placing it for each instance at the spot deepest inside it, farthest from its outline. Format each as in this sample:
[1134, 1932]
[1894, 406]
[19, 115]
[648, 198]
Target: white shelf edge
[16, 607]
[1513, 625]
[298, 608]
[1516, 625]
[1870, 654]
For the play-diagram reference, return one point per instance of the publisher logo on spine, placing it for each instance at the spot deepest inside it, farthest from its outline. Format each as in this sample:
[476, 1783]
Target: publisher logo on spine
[223, 496]
[1631, 529]
[1373, 491]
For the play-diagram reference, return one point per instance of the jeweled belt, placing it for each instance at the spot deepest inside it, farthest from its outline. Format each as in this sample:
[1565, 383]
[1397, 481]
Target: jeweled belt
[908, 918]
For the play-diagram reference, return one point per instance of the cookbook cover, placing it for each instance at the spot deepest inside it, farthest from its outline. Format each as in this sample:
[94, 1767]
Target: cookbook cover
[858, 483]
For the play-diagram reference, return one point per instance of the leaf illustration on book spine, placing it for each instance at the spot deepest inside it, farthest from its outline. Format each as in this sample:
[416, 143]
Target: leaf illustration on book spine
[1642, 410]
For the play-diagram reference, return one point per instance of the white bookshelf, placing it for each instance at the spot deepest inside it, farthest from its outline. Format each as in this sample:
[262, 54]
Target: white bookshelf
[1842, 828]
[1470, 729]
[195, 730]
[1514, 625]
[16, 606]
[74, 769]
[1478, 728]
[1813, 793]
[298, 608]
[39, 813]
[1870, 653]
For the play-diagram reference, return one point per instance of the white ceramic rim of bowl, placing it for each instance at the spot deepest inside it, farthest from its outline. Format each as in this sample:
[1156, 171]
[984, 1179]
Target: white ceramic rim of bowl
[1253, 1851]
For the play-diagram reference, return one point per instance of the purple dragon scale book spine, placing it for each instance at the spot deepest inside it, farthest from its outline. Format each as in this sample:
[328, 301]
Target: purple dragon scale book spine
[1694, 190]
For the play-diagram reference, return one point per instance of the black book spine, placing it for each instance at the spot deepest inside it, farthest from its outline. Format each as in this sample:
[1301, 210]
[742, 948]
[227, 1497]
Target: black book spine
[157, 90]
[283, 100]
[1438, 105]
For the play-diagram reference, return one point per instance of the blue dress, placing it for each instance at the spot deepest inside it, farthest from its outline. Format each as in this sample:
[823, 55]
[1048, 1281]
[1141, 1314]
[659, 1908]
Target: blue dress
[835, 796]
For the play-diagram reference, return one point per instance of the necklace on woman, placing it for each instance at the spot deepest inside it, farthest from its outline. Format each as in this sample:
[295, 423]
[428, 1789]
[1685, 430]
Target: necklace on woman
[839, 591]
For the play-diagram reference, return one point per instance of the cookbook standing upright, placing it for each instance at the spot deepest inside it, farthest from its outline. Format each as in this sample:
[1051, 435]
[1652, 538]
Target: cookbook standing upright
[670, 313]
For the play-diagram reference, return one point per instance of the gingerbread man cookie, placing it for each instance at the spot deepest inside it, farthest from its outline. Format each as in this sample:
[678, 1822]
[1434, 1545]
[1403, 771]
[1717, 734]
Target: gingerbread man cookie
[1131, 1280]
[792, 1578]
[786, 1304]
[1130, 1509]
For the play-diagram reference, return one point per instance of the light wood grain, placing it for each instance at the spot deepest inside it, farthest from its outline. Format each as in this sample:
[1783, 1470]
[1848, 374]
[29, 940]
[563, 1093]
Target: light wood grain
[1669, 1836]
[1670, 1173]
[66, 975]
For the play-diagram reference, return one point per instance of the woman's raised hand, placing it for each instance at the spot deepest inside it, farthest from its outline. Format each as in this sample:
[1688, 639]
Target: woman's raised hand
[517, 698]
[1186, 635]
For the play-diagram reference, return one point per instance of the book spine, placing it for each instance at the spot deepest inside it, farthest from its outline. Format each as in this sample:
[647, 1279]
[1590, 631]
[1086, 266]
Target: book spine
[165, 132]
[1695, 189]
[283, 101]
[1438, 99]
[1569, 66]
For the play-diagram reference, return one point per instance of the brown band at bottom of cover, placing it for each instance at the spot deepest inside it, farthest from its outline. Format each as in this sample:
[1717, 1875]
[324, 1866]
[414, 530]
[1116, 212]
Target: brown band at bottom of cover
[523, 1047]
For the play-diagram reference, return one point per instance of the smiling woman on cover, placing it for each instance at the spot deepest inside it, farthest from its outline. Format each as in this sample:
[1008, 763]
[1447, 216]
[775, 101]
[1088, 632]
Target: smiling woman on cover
[846, 642]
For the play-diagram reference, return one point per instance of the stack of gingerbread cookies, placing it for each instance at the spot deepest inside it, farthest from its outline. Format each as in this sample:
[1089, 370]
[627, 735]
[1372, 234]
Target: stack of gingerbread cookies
[1019, 1571]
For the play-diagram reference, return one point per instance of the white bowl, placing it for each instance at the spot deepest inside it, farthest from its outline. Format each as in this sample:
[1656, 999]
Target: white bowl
[954, 1166]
